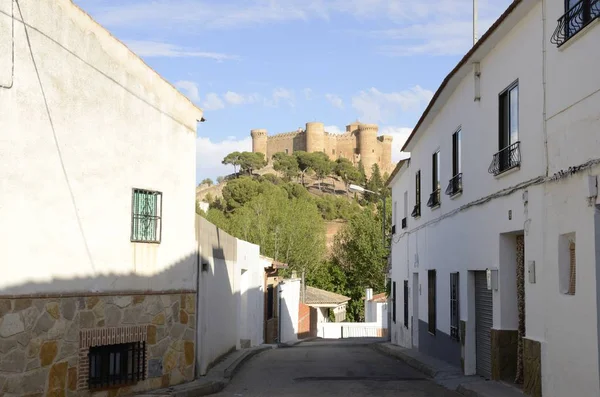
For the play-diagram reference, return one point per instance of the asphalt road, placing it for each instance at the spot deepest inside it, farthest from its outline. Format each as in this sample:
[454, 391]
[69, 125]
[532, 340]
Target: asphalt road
[330, 368]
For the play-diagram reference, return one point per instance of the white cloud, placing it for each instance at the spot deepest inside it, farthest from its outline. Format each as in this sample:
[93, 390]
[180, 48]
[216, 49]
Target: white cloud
[212, 102]
[209, 155]
[335, 100]
[151, 49]
[235, 98]
[375, 106]
[307, 93]
[399, 135]
[334, 129]
[281, 94]
[190, 89]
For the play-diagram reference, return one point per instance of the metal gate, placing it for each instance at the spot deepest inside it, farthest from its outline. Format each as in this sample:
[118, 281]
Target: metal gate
[483, 325]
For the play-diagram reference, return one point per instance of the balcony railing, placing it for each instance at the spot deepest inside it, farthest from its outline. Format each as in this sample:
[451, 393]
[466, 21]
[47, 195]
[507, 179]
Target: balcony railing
[434, 199]
[416, 212]
[455, 185]
[393, 229]
[577, 18]
[506, 159]
[403, 223]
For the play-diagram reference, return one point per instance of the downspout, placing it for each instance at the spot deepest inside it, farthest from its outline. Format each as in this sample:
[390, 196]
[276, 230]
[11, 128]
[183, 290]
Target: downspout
[544, 125]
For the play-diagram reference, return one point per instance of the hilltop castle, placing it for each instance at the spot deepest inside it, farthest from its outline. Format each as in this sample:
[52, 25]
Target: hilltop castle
[359, 142]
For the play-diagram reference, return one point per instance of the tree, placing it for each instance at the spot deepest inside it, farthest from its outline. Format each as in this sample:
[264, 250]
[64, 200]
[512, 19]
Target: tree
[321, 165]
[361, 170]
[347, 171]
[207, 181]
[304, 160]
[286, 164]
[250, 161]
[220, 179]
[233, 159]
[374, 184]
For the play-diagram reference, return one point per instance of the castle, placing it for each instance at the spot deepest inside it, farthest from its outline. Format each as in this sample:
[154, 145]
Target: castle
[359, 142]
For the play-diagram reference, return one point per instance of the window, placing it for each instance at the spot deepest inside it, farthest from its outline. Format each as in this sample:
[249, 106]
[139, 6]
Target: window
[116, 365]
[454, 306]
[146, 210]
[404, 223]
[567, 264]
[406, 303]
[332, 151]
[431, 280]
[395, 215]
[509, 155]
[270, 301]
[434, 198]
[417, 209]
[286, 151]
[578, 14]
[394, 302]
[455, 185]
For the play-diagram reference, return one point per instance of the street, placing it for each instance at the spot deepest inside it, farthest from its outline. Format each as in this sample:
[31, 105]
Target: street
[330, 368]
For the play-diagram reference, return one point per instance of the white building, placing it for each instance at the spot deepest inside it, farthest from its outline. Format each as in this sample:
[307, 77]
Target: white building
[98, 255]
[376, 308]
[497, 227]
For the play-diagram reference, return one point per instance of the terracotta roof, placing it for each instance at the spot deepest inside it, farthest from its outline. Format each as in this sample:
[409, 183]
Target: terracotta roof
[379, 298]
[318, 296]
[462, 63]
[396, 170]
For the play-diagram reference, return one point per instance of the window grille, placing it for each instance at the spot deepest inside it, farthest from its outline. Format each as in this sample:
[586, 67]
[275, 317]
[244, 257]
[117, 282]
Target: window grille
[116, 365]
[146, 216]
[572, 269]
[432, 314]
[406, 303]
[454, 306]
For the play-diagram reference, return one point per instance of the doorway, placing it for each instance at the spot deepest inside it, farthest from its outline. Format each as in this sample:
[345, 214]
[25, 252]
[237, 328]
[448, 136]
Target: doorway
[483, 325]
[415, 312]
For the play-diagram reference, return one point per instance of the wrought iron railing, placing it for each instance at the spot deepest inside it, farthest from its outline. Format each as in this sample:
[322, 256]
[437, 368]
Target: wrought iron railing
[403, 223]
[506, 159]
[455, 185]
[575, 19]
[434, 199]
[416, 212]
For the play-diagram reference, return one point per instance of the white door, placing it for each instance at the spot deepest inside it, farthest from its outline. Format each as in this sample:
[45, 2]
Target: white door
[414, 318]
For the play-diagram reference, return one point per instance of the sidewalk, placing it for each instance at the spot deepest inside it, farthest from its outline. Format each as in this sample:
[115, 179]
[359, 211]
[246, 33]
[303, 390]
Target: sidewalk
[447, 375]
[216, 379]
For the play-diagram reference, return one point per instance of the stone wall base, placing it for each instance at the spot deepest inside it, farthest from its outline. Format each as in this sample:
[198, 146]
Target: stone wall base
[44, 341]
[504, 354]
[532, 367]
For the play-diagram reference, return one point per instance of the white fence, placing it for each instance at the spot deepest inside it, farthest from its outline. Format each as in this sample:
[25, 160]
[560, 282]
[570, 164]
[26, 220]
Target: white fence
[350, 330]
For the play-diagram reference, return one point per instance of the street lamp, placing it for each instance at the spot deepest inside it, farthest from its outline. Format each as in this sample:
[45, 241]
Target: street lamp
[360, 189]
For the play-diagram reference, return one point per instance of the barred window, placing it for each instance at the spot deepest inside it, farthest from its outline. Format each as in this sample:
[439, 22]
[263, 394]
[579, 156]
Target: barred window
[117, 365]
[146, 211]
[454, 305]
[431, 306]
[572, 269]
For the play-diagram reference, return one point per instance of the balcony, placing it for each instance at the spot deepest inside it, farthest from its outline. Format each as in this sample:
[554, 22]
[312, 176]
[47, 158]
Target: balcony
[434, 199]
[416, 212]
[455, 185]
[574, 20]
[393, 229]
[506, 159]
[403, 223]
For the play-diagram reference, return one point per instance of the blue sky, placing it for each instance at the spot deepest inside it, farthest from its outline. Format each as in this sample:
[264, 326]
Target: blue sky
[277, 64]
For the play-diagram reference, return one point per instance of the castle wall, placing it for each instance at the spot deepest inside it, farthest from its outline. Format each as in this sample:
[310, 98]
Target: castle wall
[286, 143]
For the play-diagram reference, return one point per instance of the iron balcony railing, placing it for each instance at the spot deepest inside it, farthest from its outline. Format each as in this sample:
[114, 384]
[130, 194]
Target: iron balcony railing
[506, 159]
[434, 199]
[575, 19]
[416, 212]
[455, 185]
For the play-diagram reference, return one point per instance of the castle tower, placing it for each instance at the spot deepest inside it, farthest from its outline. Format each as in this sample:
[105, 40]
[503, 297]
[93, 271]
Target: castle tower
[386, 153]
[368, 145]
[259, 141]
[315, 137]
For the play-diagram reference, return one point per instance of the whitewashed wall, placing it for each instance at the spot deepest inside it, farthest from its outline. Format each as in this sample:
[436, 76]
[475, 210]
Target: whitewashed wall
[252, 292]
[84, 122]
[289, 291]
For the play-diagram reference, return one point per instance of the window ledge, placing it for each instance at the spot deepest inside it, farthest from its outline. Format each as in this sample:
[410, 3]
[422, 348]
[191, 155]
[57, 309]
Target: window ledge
[579, 34]
[435, 207]
[508, 171]
[456, 195]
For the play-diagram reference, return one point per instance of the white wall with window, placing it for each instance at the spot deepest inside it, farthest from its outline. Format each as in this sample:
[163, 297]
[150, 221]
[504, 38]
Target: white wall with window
[83, 129]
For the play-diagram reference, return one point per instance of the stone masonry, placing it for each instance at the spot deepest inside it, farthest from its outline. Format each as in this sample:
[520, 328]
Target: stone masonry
[44, 341]
[359, 143]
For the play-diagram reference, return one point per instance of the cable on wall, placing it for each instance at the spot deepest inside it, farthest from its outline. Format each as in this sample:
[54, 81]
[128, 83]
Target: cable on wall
[562, 174]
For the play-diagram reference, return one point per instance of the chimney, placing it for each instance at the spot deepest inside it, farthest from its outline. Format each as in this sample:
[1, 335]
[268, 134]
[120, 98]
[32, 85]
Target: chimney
[369, 294]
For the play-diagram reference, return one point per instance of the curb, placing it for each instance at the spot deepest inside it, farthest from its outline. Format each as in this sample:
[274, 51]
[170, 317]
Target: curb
[292, 344]
[412, 362]
[236, 365]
